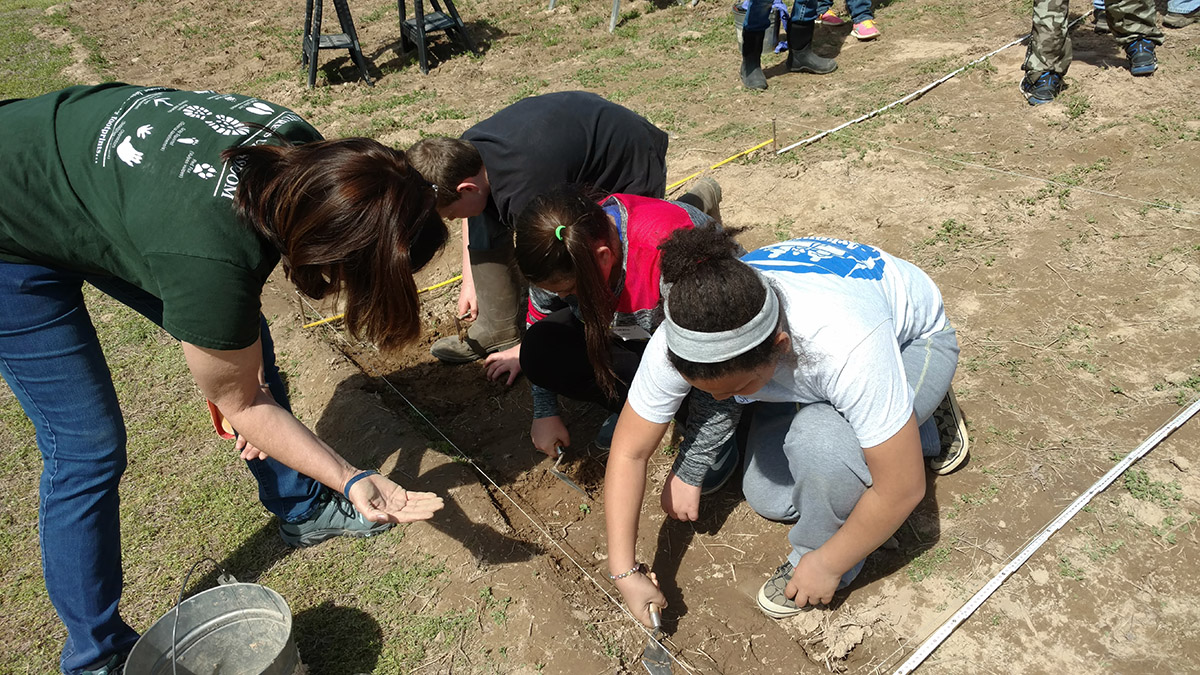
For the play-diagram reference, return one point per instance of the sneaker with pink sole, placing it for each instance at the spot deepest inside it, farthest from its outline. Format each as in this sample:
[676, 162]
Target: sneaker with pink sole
[830, 18]
[865, 30]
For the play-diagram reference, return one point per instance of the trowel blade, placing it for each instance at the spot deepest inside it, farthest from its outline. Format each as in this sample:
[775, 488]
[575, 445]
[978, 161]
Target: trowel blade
[563, 477]
[655, 658]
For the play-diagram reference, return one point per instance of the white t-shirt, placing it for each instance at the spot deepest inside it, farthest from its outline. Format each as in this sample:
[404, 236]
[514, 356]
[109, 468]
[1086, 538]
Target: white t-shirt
[849, 308]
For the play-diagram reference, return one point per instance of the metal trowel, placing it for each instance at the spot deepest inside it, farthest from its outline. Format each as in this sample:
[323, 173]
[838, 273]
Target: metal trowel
[655, 658]
[563, 477]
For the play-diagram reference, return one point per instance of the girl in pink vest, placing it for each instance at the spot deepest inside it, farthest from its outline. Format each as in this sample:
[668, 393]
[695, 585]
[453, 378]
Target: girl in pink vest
[594, 301]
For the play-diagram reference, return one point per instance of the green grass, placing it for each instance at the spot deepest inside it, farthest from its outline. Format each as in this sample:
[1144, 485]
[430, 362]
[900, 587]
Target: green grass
[1142, 487]
[925, 565]
[29, 65]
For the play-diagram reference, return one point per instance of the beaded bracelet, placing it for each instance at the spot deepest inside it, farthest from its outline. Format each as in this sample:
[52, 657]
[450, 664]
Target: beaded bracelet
[638, 567]
[357, 477]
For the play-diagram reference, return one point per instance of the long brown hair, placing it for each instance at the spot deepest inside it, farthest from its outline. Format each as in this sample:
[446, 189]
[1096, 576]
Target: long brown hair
[349, 217]
[545, 252]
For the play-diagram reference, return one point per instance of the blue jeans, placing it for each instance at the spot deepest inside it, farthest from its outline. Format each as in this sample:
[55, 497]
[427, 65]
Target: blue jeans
[860, 10]
[1182, 6]
[758, 14]
[51, 358]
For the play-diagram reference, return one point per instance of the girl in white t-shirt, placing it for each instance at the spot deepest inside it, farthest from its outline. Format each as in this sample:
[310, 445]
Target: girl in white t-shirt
[846, 354]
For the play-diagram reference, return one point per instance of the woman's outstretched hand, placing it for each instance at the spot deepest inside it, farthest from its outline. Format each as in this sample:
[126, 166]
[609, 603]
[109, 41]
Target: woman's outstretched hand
[639, 591]
[380, 500]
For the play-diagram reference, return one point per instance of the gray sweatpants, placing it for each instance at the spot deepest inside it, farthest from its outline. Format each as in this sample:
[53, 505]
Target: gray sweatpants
[804, 462]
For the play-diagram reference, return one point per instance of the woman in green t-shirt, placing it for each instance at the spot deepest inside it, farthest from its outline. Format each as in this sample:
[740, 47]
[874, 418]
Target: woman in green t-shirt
[179, 204]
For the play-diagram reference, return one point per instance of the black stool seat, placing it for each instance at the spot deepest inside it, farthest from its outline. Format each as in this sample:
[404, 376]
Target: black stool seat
[347, 39]
[416, 29]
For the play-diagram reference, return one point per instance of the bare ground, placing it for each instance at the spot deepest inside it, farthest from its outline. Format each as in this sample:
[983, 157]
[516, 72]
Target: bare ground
[1076, 312]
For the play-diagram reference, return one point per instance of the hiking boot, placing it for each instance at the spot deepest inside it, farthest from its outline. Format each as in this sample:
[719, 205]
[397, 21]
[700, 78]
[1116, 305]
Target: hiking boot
[1173, 20]
[115, 665]
[830, 18]
[1041, 87]
[722, 469]
[952, 431]
[604, 436]
[705, 194]
[772, 597]
[751, 70]
[801, 58]
[1142, 60]
[865, 30]
[1100, 22]
[498, 325]
[337, 518]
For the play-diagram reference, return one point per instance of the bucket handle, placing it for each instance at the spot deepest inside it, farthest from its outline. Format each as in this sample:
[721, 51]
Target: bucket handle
[223, 579]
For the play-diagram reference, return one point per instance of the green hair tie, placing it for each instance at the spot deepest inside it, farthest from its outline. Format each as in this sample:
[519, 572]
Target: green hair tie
[558, 231]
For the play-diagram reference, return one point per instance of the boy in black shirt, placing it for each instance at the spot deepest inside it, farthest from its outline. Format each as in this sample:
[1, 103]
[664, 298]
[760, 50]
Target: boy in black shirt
[499, 165]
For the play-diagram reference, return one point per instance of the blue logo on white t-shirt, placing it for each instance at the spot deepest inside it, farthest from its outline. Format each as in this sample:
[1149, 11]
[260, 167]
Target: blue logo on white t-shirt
[819, 255]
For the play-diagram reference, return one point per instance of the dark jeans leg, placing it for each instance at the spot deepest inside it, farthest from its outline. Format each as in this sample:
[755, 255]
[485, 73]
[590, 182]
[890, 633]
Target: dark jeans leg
[554, 356]
[51, 358]
[285, 492]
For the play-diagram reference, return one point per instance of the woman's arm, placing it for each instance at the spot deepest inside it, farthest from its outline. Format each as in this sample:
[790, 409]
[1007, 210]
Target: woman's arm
[624, 487]
[230, 379]
[898, 485]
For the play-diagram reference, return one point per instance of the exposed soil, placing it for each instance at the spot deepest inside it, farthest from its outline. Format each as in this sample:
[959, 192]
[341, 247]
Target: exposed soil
[1076, 311]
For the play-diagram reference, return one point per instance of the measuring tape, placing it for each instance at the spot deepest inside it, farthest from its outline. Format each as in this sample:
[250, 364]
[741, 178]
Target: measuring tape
[939, 636]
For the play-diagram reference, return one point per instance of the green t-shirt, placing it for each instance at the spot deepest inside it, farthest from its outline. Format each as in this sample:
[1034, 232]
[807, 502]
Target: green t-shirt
[128, 182]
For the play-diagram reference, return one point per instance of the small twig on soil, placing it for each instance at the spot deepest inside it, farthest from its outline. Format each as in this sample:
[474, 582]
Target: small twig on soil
[920, 541]
[733, 572]
[1064, 280]
[1038, 347]
[974, 545]
[697, 649]
[700, 539]
[729, 547]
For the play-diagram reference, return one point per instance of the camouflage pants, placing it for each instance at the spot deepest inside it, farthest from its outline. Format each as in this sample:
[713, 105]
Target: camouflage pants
[1050, 46]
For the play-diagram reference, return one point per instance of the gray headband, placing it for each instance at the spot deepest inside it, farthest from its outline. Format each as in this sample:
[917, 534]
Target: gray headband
[699, 347]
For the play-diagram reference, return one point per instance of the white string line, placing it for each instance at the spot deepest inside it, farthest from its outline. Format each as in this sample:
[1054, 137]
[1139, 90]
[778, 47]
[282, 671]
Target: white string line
[915, 94]
[512, 501]
[943, 632]
[1158, 204]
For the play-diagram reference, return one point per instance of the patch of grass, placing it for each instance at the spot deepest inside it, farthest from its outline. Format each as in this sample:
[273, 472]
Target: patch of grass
[923, 566]
[1087, 366]
[608, 642]
[1077, 106]
[981, 496]
[29, 66]
[374, 105]
[1068, 569]
[1140, 485]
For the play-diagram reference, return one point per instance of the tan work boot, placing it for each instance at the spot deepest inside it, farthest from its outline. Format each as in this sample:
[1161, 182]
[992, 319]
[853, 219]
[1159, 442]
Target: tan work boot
[498, 325]
[705, 194]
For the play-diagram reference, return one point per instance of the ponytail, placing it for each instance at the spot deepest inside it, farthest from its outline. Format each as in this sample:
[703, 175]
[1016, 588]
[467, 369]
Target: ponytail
[556, 236]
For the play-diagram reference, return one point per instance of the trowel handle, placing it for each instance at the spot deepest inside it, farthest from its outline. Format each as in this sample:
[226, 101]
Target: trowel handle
[655, 617]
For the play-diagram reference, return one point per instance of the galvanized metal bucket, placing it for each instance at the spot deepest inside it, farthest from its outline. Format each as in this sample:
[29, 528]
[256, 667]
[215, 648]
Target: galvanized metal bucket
[233, 629]
[772, 35]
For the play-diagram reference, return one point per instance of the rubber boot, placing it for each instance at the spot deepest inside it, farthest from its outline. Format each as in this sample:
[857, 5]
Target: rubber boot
[751, 71]
[801, 58]
[705, 194]
[498, 325]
